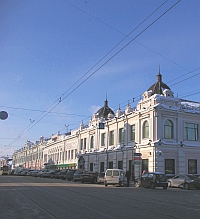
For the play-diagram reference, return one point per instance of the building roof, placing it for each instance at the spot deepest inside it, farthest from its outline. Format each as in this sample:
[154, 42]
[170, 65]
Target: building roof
[159, 86]
[104, 111]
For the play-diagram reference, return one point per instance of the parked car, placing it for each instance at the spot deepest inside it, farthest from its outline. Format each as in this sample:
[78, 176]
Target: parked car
[52, 173]
[70, 174]
[57, 174]
[115, 177]
[152, 180]
[34, 173]
[89, 177]
[23, 173]
[78, 175]
[63, 173]
[185, 181]
[45, 174]
[100, 177]
[39, 173]
[29, 172]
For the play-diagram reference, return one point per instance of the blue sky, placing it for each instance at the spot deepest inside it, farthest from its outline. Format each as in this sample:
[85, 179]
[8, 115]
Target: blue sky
[47, 46]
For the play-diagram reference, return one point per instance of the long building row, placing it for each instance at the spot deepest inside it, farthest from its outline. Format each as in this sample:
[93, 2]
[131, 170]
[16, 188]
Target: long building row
[160, 134]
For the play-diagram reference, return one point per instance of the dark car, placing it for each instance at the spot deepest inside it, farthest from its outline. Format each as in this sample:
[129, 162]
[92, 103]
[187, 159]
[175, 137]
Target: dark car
[78, 175]
[63, 173]
[45, 174]
[52, 173]
[185, 181]
[57, 174]
[70, 174]
[100, 177]
[34, 173]
[89, 177]
[152, 180]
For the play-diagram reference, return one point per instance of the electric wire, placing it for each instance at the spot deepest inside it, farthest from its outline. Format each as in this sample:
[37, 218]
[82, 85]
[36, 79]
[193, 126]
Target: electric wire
[54, 105]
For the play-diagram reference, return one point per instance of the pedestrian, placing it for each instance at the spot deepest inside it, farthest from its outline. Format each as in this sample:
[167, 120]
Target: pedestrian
[143, 172]
[128, 175]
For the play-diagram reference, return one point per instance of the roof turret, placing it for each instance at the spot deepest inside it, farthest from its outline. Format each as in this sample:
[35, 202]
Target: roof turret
[159, 86]
[104, 111]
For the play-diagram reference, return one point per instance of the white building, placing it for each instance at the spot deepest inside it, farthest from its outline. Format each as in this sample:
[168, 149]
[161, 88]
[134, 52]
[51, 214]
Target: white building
[160, 134]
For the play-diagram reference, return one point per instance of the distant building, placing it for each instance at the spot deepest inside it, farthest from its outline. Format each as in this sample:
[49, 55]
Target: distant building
[160, 134]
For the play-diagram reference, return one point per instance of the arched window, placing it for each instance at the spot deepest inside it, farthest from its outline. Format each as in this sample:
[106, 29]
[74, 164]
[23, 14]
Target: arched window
[146, 129]
[168, 129]
[92, 142]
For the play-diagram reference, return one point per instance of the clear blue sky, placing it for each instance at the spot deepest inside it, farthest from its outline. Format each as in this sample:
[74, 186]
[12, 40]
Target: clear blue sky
[47, 46]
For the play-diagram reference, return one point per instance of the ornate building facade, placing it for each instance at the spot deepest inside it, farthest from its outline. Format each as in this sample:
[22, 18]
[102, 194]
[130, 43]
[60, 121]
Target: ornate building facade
[160, 134]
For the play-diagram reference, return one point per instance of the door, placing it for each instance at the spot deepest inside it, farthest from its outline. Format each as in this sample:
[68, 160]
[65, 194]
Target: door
[116, 176]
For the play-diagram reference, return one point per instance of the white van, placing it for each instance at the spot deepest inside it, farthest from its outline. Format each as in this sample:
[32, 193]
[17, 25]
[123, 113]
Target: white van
[115, 177]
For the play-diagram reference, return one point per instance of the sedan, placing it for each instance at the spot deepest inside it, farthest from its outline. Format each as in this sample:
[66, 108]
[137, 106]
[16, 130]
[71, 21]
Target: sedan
[89, 177]
[185, 181]
[152, 180]
[45, 174]
[78, 175]
[70, 174]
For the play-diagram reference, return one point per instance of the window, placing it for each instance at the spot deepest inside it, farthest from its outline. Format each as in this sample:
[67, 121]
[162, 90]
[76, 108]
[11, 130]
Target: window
[92, 142]
[110, 165]
[91, 166]
[72, 154]
[168, 129]
[119, 164]
[84, 143]
[146, 129]
[103, 139]
[81, 144]
[191, 131]
[121, 135]
[115, 173]
[145, 165]
[111, 139]
[109, 172]
[192, 166]
[132, 132]
[66, 155]
[102, 167]
[169, 166]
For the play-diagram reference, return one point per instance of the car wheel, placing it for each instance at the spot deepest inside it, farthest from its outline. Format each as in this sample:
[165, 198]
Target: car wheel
[106, 185]
[186, 186]
[169, 184]
[152, 186]
[165, 187]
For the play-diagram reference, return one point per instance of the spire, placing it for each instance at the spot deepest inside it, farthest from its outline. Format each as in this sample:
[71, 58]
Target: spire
[106, 101]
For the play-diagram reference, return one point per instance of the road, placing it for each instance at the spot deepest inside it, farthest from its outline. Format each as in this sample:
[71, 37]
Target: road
[25, 197]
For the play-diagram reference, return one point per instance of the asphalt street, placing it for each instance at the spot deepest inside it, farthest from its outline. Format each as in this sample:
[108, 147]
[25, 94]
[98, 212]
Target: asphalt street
[25, 197]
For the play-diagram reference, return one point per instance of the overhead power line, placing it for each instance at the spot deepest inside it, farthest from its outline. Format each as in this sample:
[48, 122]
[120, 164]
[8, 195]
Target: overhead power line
[64, 96]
